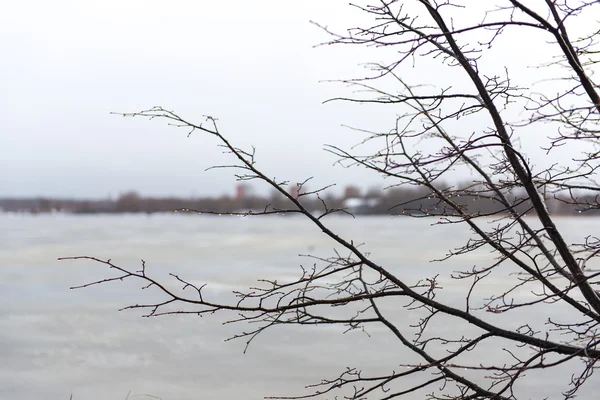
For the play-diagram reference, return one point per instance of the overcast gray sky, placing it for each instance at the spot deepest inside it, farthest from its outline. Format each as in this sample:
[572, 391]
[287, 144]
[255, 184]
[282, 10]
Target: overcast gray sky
[66, 64]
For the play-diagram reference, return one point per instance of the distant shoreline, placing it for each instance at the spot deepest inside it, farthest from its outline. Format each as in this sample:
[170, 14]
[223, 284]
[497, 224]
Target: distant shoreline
[395, 202]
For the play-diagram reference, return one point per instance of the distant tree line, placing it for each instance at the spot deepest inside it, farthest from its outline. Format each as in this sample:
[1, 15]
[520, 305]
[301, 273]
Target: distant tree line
[403, 200]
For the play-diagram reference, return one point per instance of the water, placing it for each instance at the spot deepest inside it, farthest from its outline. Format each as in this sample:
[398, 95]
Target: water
[55, 342]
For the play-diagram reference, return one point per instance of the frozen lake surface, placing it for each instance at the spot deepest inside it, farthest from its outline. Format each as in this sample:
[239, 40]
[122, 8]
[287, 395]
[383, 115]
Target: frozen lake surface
[55, 342]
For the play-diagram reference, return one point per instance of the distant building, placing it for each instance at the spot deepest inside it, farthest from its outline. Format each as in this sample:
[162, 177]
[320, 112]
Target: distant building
[240, 191]
[294, 192]
[360, 206]
[351, 192]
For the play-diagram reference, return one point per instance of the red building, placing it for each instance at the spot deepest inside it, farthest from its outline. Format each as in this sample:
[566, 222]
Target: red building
[294, 191]
[240, 191]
